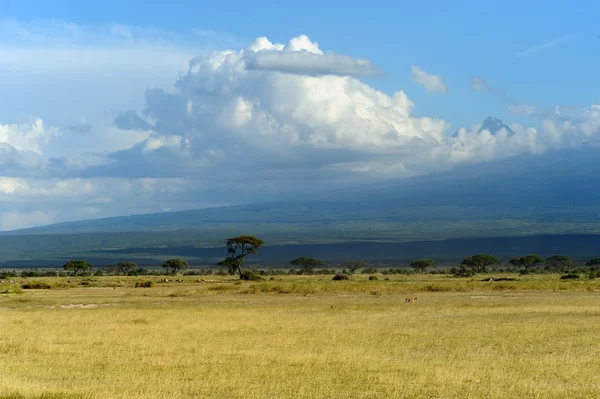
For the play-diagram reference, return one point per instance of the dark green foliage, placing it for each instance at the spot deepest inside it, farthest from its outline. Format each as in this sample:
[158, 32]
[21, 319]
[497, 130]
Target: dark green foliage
[127, 268]
[370, 270]
[176, 265]
[527, 261]
[249, 275]
[36, 286]
[77, 266]
[479, 263]
[461, 271]
[306, 265]
[339, 277]
[570, 276]
[560, 263]
[354, 265]
[230, 264]
[422, 264]
[594, 263]
[144, 284]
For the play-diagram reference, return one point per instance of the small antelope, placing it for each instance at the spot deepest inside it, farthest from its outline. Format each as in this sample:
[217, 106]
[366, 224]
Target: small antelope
[410, 300]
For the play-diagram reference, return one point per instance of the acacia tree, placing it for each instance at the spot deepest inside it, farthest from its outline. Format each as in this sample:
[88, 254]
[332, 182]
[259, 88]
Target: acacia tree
[527, 261]
[126, 267]
[594, 263]
[176, 265]
[237, 249]
[77, 266]
[479, 263]
[306, 265]
[422, 264]
[354, 265]
[560, 263]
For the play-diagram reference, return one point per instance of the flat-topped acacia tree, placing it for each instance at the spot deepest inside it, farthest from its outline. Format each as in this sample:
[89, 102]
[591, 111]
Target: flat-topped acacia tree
[527, 261]
[77, 266]
[479, 263]
[237, 249]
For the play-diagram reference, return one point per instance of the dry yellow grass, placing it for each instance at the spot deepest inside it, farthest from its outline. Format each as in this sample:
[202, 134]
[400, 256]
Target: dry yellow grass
[322, 340]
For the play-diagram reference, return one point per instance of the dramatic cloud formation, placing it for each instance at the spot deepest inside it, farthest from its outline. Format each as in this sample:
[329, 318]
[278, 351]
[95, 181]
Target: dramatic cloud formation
[432, 83]
[239, 125]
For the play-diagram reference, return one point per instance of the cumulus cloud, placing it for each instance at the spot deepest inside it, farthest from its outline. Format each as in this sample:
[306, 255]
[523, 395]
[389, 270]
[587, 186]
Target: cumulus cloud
[21, 145]
[302, 56]
[226, 121]
[432, 83]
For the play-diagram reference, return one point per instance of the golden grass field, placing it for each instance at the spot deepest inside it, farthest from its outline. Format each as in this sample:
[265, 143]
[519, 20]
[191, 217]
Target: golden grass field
[302, 337]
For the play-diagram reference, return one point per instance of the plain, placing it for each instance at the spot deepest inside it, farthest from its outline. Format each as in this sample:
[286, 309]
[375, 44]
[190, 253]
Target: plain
[301, 337]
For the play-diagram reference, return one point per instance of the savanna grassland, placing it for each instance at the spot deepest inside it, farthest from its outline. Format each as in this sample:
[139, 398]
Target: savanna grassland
[301, 337]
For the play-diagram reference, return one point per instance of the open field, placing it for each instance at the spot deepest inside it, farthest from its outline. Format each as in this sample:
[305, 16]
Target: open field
[301, 337]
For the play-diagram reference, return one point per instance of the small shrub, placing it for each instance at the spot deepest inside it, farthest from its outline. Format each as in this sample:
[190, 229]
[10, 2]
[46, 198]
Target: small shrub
[248, 275]
[372, 278]
[339, 277]
[570, 276]
[144, 284]
[36, 286]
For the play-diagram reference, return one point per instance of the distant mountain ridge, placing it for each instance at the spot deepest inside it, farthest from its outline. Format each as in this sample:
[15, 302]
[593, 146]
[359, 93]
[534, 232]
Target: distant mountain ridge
[561, 186]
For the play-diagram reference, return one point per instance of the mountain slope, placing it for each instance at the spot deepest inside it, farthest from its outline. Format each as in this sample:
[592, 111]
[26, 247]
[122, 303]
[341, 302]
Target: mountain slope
[557, 187]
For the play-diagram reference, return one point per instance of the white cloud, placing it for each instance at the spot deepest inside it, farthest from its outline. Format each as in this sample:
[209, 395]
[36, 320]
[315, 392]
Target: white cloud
[31, 136]
[432, 83]
[302, 56]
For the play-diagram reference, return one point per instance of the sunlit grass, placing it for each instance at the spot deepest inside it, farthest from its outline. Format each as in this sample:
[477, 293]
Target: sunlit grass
[302, 337]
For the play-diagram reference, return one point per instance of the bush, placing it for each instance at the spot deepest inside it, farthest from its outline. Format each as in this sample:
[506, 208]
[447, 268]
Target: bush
[248, 275]
[144, 284]
[373, 278]
[36, 286]
[570, 276]
[339, 277]
[369, 270]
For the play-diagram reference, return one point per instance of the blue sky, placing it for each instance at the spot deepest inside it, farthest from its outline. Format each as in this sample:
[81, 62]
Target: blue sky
[102, 114]
[455, 39]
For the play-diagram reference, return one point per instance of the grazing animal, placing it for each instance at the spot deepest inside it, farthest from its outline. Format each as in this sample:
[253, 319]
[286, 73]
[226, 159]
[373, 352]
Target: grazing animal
[410, 300]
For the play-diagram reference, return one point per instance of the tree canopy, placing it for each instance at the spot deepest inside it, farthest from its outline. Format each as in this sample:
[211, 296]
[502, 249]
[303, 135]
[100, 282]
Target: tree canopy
[422, 264]
[176, 265]
[560, 263]
[527, 261]
[354, 265]
[479, 263]
[306, 265]
[593, 262]
[126, 267]
[237, 249]
[78, 266]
